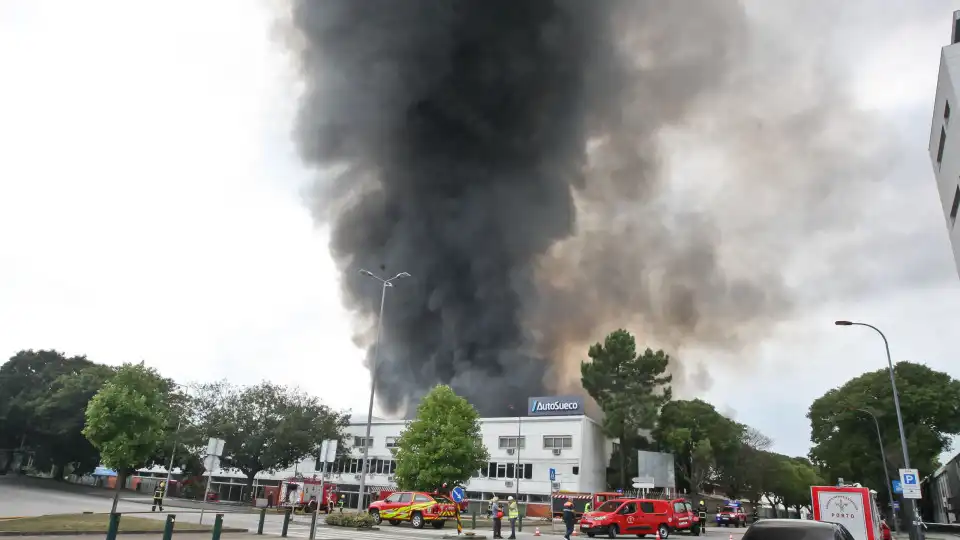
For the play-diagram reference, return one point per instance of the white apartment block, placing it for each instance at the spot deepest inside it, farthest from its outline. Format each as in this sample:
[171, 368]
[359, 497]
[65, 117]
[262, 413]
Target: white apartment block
[945, 137]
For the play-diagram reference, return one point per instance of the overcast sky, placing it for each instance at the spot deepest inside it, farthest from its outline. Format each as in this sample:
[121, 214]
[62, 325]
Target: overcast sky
[151, 207]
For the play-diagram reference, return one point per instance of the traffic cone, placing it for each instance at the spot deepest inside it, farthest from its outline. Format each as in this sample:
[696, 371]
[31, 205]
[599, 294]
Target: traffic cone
[658, 534]
[575, 532]
[536, 531]
[731, 537]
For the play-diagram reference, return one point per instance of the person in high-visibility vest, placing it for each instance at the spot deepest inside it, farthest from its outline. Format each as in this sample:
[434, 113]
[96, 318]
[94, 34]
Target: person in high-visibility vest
[343, 499]
[586, 507]
[513, 512]
[158, 496]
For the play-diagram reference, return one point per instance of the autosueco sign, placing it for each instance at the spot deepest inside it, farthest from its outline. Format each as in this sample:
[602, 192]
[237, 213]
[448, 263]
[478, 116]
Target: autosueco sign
[555, 406]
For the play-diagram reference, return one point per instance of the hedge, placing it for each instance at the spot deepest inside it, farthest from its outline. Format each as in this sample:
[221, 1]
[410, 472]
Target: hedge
[359, 521]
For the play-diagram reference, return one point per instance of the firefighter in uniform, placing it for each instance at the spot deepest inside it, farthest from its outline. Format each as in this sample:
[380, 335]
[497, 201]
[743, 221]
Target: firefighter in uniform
[158, 496]
[702, 514]
[343, 499]
[756, 515]
[586, 507]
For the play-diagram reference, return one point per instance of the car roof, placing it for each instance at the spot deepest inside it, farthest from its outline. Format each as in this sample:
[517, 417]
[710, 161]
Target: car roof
[794, 524]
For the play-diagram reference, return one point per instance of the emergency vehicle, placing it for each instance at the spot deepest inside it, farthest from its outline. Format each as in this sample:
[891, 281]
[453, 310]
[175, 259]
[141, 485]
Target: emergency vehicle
[640, 517]
[296, 493]
[852, 506]
[731, 513]
[417, 507]
[580, 500]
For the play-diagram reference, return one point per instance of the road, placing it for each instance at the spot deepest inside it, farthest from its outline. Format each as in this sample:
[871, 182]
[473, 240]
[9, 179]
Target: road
[26, 500]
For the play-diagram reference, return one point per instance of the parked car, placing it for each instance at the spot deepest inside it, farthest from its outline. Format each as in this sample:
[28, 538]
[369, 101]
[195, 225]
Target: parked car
[639, 517]
[417, 507]
[796, 529]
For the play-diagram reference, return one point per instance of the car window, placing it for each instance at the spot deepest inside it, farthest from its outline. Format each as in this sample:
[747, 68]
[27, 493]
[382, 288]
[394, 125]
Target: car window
[421, 498]
[646, 507]
[629, 508]
[442, 499]
[688, 506]
[678, 507]
[404, 497]
[800, 532]
[728, 509]
[393, 498]
[609, 506]
[844, 532]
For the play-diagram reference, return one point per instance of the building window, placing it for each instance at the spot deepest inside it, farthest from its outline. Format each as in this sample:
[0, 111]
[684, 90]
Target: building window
[392, 442]
[511, 442]
[359, 442]
[955, 206]
[943, 142]
[616, 448]
[946, 112]
[576, 470]
[557, 441]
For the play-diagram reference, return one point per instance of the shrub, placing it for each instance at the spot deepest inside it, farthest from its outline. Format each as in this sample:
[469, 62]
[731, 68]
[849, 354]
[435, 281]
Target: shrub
[359, 521]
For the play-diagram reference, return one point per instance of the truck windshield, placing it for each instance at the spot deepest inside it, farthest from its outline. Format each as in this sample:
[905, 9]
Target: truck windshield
[729, 509]
[609, 506]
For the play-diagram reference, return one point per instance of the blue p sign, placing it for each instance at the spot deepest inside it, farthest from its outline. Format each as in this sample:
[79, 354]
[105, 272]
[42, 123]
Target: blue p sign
[553, 474]
[909, 479]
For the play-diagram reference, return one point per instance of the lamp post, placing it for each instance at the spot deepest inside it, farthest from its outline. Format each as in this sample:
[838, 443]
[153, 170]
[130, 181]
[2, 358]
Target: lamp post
[517, 471]
[883, 456]
[176, 440]
[373, 377]
[916, 533]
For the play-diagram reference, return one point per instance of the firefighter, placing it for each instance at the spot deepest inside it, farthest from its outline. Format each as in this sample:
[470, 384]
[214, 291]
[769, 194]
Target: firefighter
[158, 496]
[513, 512]
[702, 514]
[343, 500]
[569, 517]
[586, 507]
[756, 514]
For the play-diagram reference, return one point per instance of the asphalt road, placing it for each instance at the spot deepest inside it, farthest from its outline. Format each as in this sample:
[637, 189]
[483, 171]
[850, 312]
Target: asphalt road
[26, 500]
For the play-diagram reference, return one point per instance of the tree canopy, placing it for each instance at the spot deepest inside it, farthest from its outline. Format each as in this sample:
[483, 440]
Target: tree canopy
[629, 388]
[844, 436]
[266, 427]
[442, 445]
[701, 439]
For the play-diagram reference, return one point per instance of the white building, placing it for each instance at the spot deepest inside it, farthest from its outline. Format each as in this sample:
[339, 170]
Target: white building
[552, 437]
[945, 138]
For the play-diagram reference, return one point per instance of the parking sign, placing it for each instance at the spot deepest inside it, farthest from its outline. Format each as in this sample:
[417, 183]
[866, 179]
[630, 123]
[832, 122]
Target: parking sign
[553, 474]
[910, 483]
[897, 486]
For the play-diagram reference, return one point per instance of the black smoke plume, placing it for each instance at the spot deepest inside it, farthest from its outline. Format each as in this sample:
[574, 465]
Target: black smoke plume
[512, 156]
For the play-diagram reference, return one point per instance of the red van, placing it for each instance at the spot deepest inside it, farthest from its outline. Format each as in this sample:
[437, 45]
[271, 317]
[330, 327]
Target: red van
[633, 516]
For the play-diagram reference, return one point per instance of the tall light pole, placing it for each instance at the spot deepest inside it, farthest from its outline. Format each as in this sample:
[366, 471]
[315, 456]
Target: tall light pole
[883, 456]
[176, 440]
[373, 377]
[916, 533]
[517, 471]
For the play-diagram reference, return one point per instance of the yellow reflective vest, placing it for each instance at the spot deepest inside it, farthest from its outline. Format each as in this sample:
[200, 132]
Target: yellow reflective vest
[513, 511]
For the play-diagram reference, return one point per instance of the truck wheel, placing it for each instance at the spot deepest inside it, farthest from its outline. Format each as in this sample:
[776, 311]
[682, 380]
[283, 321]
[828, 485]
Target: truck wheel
[417, 520]
[439, 524]
[663, 531]
[612, 531]
[376, 516]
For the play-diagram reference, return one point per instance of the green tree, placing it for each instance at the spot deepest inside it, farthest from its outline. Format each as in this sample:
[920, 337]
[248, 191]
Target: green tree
[630, 389]
[266, 427]
[60, 416]
[740, 477]
[443, 443]
[796, 490]
[845, 443]
[701, 439]
[125, 420]
[43, 395]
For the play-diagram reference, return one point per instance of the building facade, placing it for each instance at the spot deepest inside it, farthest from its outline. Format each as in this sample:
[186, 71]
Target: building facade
[945, 138]
[522, 451]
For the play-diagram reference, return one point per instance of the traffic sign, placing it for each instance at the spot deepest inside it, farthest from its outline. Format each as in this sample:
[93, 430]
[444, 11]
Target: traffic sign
[643, 482]
[457, 494]
[910, 483]
[897, 486]
[553, 474]
[896, 505]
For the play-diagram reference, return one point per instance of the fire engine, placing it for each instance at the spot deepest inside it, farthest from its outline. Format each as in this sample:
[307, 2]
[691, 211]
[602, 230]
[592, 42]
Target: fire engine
[296, 493]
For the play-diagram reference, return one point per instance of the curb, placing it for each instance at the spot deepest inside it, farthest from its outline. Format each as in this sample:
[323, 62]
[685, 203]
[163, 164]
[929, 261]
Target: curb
[91, 533]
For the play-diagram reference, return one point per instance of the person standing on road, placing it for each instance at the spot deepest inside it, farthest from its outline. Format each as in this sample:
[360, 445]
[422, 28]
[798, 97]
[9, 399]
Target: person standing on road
[158, 496]
[569, 516]
[513, 512]
[496, 512]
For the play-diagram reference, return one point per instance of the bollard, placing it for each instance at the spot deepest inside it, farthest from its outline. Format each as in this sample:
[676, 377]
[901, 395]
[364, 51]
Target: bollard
[217, 526]
[113, 527]
[519, 523]
[286, 522]
[263, 517]
[168, 528]
[313, 526]
[473, 519]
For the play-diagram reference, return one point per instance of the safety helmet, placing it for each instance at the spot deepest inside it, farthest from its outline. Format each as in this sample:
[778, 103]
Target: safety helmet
[568, 503]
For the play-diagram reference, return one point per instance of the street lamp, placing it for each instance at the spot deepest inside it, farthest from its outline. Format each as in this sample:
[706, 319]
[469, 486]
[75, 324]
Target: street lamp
[517, 472]
[915, 532]
[883, 457]
[373, 376]
[176, 440]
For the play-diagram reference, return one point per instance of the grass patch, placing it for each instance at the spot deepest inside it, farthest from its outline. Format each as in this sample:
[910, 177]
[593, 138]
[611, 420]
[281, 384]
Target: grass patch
[90, 523]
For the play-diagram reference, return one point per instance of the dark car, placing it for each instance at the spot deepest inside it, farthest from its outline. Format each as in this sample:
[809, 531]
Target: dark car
[796, 529]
